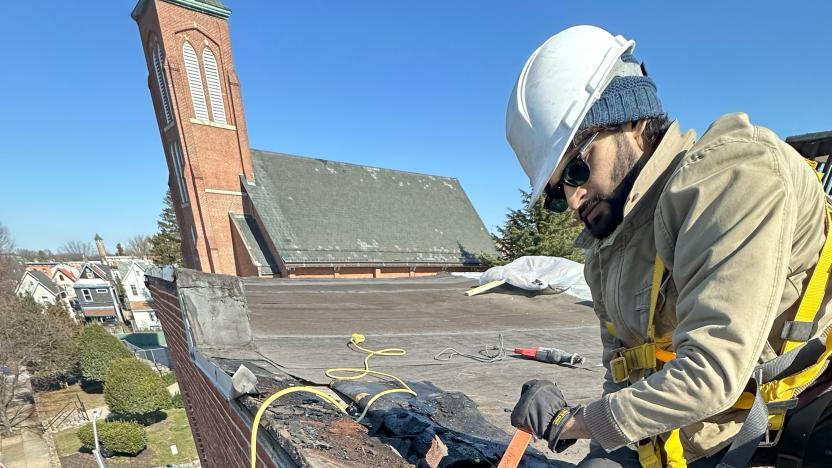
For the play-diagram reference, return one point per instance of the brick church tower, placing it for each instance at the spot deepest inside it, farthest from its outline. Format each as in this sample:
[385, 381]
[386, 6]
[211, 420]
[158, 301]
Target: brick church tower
[199, 109]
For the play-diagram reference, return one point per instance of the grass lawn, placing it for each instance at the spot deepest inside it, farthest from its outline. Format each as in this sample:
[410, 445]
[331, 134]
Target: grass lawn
[160, 436]
[172, 431]
[67, 442]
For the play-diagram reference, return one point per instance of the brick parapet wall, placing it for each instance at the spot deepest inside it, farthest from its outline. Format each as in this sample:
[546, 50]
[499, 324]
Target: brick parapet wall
[220, 433]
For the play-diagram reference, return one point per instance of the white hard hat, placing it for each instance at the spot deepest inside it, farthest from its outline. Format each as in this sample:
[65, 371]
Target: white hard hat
[558, 85]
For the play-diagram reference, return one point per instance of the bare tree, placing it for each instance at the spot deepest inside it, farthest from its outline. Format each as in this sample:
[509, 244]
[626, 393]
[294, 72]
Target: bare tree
[10, 267]
[79, 250]
[139, 246]
[33, 340]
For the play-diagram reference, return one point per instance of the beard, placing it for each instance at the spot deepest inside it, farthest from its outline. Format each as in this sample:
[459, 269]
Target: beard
[603, 213]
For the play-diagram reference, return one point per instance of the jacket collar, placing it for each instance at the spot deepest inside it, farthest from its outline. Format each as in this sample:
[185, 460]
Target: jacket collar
[673, 145]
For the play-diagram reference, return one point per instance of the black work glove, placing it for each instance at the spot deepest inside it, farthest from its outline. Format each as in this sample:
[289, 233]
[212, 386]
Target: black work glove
[543, 411]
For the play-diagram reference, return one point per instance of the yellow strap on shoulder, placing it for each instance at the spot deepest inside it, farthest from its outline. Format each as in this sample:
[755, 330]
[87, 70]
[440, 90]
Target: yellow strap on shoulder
[658, 273]
[810, 304]
[784, 389]
[644, 356]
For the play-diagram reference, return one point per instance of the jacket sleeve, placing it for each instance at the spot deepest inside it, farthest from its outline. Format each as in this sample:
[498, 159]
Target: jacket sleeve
[725, 222]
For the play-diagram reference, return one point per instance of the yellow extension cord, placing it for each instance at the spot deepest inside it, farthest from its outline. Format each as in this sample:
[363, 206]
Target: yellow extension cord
[337, 374]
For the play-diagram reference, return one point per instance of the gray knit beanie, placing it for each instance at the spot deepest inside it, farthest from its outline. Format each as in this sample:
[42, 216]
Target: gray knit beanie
[630, 96]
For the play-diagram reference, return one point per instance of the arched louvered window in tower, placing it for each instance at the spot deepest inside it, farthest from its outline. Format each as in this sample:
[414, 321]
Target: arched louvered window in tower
[158, 69]
[195, 81]
[212, 77]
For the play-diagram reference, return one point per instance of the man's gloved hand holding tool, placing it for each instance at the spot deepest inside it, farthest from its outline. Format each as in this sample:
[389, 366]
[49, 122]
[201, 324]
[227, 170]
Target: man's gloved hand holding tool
[543, 412]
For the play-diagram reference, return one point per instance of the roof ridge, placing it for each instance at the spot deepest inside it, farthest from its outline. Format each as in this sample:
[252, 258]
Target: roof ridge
[363, 166]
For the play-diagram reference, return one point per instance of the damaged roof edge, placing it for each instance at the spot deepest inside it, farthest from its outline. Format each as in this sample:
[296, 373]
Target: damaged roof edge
[231, 387]
[215, 308]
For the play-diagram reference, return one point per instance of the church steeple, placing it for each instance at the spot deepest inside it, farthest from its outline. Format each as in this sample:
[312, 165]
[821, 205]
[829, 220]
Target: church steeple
[102, 251]
[199, 109]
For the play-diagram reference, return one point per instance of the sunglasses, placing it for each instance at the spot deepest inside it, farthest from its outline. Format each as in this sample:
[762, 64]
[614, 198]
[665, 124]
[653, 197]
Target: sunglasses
[575, 173]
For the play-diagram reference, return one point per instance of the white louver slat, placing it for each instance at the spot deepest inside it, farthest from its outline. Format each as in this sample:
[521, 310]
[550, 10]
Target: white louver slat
[158, 61]
[195, 81]
[212, 77]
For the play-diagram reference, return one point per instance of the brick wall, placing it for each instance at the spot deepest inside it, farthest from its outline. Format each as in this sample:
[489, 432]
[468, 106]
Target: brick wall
[214, 154]
[220, 434]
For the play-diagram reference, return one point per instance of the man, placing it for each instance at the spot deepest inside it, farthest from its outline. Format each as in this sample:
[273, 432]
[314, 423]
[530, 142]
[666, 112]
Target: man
[700, 248]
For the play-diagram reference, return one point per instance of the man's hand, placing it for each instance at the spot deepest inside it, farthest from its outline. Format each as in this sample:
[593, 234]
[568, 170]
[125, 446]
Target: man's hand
[543, 410]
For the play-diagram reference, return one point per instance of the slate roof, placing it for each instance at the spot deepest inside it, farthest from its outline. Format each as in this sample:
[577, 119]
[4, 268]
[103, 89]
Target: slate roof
[45, 281]
[320, 212]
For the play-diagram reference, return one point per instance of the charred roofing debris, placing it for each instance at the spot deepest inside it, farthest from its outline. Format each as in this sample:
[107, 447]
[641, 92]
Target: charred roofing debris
[254, 337]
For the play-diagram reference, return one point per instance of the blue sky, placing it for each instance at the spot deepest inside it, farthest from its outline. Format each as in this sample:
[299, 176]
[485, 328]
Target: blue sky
[418, 86]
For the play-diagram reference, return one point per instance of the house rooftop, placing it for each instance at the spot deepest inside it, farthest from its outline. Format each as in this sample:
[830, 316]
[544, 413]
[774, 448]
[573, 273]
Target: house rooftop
[286, 331]
[45, 281]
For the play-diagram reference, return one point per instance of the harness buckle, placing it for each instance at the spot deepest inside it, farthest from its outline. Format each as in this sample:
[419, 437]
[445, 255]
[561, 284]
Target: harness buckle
[768, 442]
[619, 369]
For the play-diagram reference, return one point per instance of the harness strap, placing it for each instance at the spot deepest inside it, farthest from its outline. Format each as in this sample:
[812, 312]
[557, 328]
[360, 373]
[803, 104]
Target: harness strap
[804, 320]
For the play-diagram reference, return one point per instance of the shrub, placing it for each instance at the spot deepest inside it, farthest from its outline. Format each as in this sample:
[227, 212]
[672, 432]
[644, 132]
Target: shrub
[98, 348]
[121, 437]
[176, 401]
[169, 379]
[133, 388]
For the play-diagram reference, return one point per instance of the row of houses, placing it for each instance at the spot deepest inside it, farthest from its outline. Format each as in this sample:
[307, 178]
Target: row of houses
[94, 291]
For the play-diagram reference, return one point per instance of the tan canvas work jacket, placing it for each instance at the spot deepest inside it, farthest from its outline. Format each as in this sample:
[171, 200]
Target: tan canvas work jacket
[739, 220]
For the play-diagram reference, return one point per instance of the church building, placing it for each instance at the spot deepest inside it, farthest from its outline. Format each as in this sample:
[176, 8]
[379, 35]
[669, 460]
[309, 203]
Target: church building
[250, 212]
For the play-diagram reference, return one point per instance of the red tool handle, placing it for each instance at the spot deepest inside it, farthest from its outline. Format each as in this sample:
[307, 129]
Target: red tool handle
[516, 449]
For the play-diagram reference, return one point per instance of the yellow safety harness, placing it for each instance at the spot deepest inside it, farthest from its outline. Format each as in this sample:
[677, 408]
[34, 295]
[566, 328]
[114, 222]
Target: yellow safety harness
[645, 357]
[777, 394]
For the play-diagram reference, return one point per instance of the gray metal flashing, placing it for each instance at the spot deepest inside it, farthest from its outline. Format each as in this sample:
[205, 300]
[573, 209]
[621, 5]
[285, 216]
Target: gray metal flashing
[222, 317]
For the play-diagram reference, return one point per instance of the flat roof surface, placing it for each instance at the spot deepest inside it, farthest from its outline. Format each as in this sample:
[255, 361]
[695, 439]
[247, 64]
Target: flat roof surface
[304, 325]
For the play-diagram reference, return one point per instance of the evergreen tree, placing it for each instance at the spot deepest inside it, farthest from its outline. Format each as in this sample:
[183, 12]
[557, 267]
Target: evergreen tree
[534, 230]
[166, 244]
[119, 250]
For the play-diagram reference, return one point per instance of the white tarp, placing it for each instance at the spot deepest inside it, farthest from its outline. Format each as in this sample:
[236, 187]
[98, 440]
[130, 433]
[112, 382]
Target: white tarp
[537, 273]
